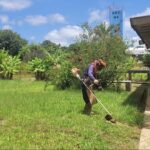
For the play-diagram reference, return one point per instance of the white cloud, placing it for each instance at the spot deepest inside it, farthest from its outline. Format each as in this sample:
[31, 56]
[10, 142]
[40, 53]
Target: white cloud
[14, 4]
[129, 32]
[17, 22]
[57, 18]
[5, 27]
[4, 19]
[65, 35]
[97, 16]
[40, 19]
[144, 13]
[36, 20]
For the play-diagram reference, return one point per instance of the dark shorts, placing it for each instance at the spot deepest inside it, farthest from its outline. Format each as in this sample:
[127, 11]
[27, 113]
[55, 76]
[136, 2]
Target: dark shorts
[88, 82]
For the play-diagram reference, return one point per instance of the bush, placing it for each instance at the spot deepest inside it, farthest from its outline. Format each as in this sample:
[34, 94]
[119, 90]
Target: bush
[63, 78]
[37, 65]
[109, 48]
[29, 52]
[146, 60]
[42, 68]
[8, 65]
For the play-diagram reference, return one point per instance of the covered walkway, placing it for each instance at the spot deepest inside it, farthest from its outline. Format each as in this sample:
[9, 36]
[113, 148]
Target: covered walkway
[142, 27]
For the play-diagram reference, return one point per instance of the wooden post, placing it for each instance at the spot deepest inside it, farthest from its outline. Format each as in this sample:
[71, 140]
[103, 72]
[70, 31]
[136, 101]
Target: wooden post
[148, 76]
[130, 76]
[128, 85]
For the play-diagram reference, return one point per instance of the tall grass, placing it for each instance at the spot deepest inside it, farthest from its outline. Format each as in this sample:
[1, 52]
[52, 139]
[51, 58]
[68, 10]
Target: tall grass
[31, 118]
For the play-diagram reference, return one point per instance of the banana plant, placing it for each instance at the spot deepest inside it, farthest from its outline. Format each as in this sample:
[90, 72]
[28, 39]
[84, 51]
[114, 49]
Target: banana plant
[9, 65]
[38, 66]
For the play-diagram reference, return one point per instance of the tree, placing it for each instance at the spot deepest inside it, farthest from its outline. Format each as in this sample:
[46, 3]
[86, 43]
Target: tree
[50, 46]
[29, 52]
[96, 43]
[11, 42]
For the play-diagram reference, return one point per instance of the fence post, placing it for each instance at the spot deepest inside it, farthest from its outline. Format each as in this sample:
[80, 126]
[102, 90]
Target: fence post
[148, 75]
[130, 76]
[128, 85]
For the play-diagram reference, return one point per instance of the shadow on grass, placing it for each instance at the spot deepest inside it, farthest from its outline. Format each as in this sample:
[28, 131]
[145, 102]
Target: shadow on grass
[93, 113]
[137, 98]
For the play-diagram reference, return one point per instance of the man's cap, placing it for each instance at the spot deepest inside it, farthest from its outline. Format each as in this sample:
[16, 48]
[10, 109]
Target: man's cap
[102, 62]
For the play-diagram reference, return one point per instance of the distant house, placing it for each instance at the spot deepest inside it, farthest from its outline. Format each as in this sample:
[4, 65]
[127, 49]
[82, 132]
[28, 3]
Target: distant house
[137, 50]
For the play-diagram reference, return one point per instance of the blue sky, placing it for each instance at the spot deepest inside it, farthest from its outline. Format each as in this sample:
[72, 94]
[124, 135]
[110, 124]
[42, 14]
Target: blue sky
[60, 20]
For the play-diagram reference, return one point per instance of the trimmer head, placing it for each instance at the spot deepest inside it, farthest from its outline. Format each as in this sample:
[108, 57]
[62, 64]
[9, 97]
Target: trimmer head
[110, 118]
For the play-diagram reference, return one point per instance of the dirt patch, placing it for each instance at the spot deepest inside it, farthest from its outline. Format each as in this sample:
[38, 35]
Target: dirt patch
[2, 122]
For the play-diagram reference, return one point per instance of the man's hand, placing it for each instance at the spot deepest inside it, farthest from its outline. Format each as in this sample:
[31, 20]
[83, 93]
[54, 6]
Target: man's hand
[96, 81]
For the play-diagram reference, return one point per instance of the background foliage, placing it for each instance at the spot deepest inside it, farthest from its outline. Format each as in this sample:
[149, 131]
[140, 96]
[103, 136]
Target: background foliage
[53, 63]
[9, 65]
[11, 42]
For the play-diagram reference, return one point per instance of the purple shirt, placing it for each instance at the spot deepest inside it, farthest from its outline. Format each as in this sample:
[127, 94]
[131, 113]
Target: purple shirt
[89, 72]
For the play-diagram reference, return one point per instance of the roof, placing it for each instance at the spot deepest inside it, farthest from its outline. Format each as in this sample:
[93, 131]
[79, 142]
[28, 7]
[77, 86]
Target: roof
[142, 27]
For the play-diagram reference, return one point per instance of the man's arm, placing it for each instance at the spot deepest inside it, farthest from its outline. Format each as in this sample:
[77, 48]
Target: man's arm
[91, 74]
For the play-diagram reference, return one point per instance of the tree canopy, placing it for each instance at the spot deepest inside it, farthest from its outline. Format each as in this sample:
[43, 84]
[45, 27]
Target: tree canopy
[11, 41]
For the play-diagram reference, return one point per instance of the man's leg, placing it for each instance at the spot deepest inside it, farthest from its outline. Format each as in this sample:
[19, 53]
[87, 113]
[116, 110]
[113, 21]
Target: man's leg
[88, 106]
[91, 96]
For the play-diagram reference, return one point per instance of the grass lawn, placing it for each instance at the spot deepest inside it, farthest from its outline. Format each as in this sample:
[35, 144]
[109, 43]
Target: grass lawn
[31, 118]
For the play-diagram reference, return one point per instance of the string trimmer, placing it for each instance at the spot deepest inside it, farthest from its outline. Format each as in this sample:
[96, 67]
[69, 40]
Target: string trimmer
[108, 117]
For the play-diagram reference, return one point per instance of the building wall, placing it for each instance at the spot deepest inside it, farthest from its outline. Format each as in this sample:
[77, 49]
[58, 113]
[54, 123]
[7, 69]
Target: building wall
[116, 20]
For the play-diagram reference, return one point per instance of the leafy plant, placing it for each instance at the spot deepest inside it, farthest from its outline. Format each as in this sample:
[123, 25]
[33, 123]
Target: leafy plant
[37, 65]
[64, 77]
[146, 60]
[8, 65]
[29, 52]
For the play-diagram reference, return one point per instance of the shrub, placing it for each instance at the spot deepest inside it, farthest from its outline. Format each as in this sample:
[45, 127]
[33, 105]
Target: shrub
[8, 65]
[146, 60]
[101, 44]
[29, 52]
[63, 78]
[37, 65]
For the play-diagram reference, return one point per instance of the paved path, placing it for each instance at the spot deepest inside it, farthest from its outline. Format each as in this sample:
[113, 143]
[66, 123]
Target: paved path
[145, 132]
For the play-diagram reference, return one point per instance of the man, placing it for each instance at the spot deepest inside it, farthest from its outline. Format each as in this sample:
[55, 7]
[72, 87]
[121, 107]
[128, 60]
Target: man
[89, 78]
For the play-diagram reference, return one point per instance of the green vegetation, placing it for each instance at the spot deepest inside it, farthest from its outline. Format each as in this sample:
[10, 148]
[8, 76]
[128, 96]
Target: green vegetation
[38, 66]
[98, 43]
[139, 76]
[34, 115]
[11, 42]
[9, 65]
[31, 118]
[146, 60]
[52, 62]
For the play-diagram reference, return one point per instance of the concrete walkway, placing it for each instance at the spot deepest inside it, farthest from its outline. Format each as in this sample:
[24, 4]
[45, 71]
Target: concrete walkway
[145, 132]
